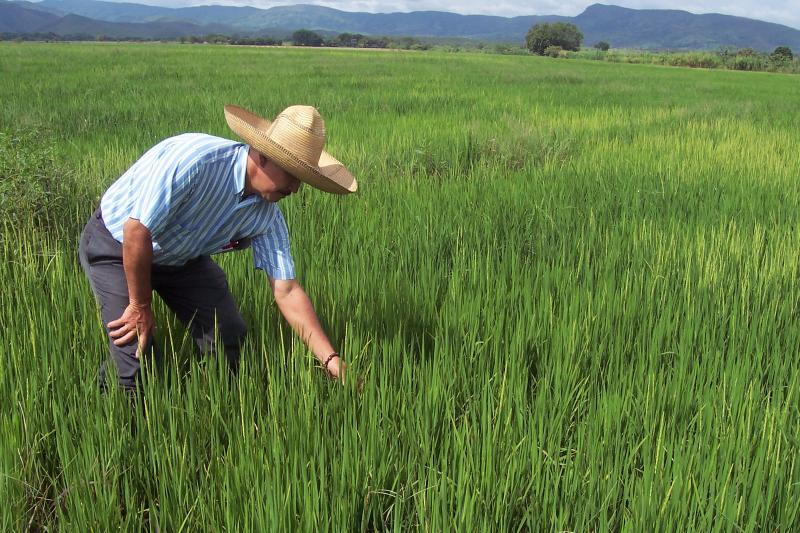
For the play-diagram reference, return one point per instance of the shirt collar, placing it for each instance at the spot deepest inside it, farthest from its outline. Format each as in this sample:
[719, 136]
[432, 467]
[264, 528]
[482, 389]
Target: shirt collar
[240, 170]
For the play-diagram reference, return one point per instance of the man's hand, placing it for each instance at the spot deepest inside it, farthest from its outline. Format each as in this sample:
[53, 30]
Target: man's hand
[336, 368]
[137, 260]
[136, 322]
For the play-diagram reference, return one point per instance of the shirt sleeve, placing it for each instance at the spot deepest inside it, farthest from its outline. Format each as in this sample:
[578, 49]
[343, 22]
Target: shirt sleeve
[162, 180]
[271, 251]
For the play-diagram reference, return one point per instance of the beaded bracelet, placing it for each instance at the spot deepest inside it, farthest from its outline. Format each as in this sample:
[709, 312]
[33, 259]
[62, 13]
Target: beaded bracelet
[328, 360]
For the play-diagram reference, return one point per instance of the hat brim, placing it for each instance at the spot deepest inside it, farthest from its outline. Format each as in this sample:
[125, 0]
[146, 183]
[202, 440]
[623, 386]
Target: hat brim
[328, 174]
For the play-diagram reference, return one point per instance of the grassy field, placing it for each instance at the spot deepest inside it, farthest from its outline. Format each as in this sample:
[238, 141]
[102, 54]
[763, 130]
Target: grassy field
[570, 286]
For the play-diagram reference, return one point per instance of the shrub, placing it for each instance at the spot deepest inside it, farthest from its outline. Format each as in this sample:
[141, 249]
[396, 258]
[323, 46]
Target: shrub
[782, 54]
[553, 51]
[509, 50]
[746, 62]
[702, 60]
[675, 60]
[603, 46]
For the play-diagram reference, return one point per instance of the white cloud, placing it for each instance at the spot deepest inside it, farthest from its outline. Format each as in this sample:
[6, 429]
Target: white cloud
[781, 11]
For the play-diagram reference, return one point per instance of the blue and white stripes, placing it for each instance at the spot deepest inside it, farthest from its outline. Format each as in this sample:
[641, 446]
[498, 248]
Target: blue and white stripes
[187, 190]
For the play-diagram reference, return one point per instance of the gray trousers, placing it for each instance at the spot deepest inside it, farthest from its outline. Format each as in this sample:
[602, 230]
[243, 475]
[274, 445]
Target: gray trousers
[197, 292]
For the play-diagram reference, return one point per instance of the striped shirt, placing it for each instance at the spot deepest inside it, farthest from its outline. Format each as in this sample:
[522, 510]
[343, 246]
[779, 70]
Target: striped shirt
[188, 191]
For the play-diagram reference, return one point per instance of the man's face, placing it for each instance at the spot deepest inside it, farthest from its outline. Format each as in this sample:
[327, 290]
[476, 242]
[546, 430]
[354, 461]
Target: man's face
[268, 180]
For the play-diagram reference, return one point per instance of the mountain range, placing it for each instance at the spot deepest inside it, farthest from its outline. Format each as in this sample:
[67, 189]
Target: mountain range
[621, 27]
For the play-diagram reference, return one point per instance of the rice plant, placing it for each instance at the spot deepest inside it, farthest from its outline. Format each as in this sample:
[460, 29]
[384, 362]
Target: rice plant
[570, 288]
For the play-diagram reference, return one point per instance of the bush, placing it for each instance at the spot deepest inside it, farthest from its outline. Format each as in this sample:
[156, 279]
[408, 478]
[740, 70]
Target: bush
[782, 54]
[540, 36]
[701, 60]
[602, 46]
[553, 51]
[746, 62]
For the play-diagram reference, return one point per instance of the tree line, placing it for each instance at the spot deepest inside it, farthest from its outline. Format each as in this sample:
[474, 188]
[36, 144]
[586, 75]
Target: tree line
[298, 38]
[305, 37]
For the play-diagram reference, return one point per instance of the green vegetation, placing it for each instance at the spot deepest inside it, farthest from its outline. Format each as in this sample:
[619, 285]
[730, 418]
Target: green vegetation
[725, 58]
[782, 54]
[602, 46]
[545, 41]
[307, 38]
[571, 287]
[563, 35]
[298, 38]
[36, 189]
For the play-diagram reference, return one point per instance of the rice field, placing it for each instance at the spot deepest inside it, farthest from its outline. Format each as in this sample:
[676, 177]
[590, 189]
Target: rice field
[571, 289]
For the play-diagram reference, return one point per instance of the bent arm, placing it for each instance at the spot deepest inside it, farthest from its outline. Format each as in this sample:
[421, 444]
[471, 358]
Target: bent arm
[137, 259]
[296, 308]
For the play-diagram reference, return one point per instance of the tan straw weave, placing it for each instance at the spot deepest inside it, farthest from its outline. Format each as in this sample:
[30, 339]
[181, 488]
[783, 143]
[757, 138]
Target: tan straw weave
[294, 141]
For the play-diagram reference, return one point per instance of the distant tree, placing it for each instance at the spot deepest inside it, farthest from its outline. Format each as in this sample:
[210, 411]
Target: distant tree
[602, 45]
[306, 38]
[352, 40]
[405, 43]
[562, 34]
[376, 42]
[257, 41]
[216, 38]
[726, 53]
[782, 54]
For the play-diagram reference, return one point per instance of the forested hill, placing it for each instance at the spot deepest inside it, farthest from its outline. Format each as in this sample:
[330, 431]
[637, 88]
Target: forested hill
[622, 27]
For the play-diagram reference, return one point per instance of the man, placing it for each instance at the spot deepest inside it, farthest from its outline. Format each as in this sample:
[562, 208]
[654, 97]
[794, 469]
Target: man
[187, 198]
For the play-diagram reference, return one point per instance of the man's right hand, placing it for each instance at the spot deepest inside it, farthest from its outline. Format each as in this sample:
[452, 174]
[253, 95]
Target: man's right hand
[136, 321]
[137, 260]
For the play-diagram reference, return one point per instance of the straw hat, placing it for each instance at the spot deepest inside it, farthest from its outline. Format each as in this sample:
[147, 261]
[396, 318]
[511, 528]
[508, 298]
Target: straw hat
[294, 141]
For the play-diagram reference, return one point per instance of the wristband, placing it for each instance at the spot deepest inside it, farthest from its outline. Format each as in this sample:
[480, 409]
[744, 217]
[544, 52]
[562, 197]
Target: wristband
[328, 360]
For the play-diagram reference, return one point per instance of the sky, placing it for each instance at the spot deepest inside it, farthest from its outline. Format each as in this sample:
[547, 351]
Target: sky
[785, 12]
